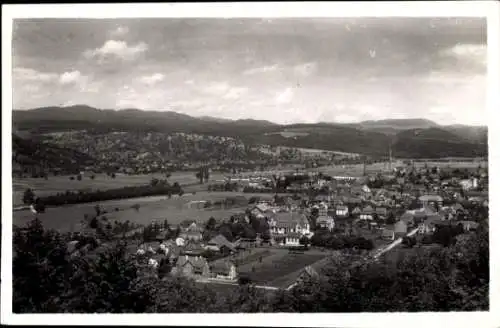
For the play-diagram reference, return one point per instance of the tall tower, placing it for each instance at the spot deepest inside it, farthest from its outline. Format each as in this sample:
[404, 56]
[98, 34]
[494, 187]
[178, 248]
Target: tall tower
[364, 166]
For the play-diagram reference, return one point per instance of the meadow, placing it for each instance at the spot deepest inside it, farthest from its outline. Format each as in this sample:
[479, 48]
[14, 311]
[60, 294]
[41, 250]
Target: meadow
[175, 210]
[281, 268]
[57, 184]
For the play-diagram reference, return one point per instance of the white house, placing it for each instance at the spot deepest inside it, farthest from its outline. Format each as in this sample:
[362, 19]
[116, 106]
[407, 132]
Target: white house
[367, 213]
[468, 184]
[342, 211]
[288, 227]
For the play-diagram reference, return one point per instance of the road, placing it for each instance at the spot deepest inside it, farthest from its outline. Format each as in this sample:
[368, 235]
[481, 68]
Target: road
[395, 243]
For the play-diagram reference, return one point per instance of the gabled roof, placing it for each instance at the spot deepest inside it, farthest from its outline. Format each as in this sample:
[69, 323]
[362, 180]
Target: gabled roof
[356, 210]
[196, 261]
[368, 209]
[310, 271]
[387, 233]
[431, 198]
[406, 217]
[220, 241]
[221, 266]
[291, 219]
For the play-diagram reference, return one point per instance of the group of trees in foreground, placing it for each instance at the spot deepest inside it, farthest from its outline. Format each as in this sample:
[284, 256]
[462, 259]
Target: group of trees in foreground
[47, 279]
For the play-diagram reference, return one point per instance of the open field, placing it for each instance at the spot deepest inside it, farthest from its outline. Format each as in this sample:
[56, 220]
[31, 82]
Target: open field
[66, 218]
[57, 184]
[277, 269]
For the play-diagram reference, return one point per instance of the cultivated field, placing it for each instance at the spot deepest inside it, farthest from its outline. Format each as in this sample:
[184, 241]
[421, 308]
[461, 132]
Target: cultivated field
[281, 268]
[57, 184]
[175, 210]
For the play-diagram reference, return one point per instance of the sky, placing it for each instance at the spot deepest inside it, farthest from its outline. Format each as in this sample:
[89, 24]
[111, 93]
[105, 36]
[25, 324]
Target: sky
[282, 70]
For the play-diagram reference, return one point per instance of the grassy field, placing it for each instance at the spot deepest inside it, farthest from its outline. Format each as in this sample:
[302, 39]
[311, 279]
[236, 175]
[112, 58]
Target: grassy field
[57, 184]
[277, 269]
[175, 210]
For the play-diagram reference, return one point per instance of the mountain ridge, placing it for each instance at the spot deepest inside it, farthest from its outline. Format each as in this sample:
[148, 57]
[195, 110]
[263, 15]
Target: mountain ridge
[367, 137]
[406, 123]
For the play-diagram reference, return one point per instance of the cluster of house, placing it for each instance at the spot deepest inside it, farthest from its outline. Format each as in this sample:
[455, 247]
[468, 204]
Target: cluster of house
[350, 200]
[186, 254]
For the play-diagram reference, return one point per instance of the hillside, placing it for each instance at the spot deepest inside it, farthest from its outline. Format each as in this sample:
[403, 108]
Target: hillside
[477, 134]
[411, 137]
[397, 124]
[434, 142]
[30, 155]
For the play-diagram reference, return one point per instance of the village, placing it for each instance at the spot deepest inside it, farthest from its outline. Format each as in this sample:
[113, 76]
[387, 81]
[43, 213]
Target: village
[294, 221]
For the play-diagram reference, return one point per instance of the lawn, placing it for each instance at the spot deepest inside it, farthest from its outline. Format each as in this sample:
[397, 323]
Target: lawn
[277, 269]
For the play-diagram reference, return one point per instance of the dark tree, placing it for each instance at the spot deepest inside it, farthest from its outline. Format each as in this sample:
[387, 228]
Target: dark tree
[28, 196]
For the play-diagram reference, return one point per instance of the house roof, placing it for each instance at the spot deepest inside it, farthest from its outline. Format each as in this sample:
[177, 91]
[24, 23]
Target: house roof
[387, 232]
[324, 219]
[424, 211]
[342, 208]
[196, 261]
[221, 266]
[290, 219]
[400, 226]
[431, 198]
[457, 207]
[381, 210]
[261, 207]
[368, 209]
[220, 241]
[310, 271]
[406, 217]
[356, 210]
[472, 224]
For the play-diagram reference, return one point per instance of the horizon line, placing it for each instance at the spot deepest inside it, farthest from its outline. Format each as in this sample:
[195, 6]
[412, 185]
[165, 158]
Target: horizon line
[249, 118]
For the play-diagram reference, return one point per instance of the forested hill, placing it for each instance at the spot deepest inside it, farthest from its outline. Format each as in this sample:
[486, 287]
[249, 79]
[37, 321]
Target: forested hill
[30, 153]
[410, 138]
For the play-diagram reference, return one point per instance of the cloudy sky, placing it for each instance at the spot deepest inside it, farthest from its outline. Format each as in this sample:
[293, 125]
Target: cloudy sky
[282, 70]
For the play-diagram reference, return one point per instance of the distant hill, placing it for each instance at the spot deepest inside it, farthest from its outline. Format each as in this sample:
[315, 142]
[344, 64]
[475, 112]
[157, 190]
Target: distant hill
[435, 142]
[477, 134]
[410, 137]
[392, 126]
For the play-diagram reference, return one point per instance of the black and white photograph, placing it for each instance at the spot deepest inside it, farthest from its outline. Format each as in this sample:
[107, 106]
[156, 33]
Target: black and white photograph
[230, 161]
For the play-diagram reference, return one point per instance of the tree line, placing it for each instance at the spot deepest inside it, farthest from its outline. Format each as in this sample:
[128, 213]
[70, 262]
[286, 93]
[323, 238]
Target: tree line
[79, 197]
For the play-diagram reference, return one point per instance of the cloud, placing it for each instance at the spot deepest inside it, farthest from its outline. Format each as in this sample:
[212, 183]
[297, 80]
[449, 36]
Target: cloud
[31, 75]
[260, 70]
[285, 96]
[235, 93]
[70, 77]
[345, 118]
[217, 88]
[152, 79]
[305, 69]
[119, 49]
[119, 31]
